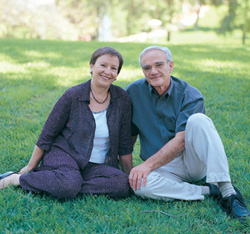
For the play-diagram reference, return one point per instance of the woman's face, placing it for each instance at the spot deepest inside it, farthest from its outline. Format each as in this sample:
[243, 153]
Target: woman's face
[105, 70]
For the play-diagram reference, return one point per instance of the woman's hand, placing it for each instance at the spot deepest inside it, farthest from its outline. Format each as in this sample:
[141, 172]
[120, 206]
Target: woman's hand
[25, 170]
[34, 160]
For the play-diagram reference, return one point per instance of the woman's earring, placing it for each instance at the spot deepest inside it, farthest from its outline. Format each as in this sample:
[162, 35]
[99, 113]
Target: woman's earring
[91, 71]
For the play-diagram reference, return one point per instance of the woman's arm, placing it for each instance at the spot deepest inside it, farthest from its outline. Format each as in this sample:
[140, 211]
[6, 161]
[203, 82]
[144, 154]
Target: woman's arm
[126, 163]
[34, 160]
[56, 121]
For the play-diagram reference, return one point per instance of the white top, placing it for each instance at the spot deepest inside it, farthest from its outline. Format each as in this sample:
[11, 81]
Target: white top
[101, 139]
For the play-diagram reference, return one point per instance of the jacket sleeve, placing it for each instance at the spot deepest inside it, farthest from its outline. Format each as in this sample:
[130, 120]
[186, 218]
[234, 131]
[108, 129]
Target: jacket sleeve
[56, 121]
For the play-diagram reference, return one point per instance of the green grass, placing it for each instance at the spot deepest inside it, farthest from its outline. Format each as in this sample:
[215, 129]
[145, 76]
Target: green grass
[34, 74]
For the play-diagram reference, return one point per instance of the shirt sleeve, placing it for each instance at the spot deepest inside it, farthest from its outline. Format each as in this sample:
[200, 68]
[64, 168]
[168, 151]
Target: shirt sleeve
[55, 123]
[190, 106]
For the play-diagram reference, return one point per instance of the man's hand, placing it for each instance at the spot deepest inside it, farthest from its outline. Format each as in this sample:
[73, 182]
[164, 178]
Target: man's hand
[162, 157]
[137, 174]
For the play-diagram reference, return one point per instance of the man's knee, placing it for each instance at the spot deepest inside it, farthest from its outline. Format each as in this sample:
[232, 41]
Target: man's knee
[200, 121]
[198, 118]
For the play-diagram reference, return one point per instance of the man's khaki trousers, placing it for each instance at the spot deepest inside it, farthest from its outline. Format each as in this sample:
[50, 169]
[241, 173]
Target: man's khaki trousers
[204, 156]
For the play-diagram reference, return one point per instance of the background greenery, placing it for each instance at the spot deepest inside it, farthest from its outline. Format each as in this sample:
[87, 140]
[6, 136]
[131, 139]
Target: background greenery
[34, 74]
[87, 20]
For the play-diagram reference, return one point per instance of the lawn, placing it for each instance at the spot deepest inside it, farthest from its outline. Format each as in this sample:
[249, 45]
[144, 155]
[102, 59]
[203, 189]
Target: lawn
[34, 74]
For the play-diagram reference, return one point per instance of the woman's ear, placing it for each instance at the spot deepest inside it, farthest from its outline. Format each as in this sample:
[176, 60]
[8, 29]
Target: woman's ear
[90, 68]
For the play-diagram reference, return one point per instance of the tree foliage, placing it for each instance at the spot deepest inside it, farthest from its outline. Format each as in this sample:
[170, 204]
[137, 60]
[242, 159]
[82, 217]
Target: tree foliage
[166, 10]
[237, 17]
[83, 19]
[19, 18]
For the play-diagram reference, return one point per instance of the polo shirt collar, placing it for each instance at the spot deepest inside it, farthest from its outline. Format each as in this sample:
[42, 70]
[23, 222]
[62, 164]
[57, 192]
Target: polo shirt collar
[168, 92]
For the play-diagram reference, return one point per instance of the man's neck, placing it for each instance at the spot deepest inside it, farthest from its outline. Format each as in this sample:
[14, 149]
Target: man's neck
[162, 89]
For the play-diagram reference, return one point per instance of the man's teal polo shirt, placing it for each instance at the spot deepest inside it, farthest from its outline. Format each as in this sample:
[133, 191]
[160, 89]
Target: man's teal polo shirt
[157, 120]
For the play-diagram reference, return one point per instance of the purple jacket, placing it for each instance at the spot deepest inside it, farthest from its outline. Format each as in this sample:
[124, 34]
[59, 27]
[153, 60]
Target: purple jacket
[71, 125]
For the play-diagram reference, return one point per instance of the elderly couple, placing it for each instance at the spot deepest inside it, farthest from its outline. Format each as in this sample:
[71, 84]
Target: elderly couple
[90, 126]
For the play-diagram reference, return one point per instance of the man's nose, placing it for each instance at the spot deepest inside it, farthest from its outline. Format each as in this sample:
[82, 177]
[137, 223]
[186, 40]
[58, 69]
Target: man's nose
[154, 70]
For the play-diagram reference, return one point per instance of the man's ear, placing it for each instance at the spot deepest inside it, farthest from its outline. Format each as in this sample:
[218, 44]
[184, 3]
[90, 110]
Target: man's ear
[171, 66]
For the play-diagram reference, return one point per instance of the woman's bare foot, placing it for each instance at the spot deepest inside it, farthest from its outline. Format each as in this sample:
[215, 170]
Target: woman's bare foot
[9, 180]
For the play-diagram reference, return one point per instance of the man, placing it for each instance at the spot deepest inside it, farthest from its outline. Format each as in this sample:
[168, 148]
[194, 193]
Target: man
[179, 143]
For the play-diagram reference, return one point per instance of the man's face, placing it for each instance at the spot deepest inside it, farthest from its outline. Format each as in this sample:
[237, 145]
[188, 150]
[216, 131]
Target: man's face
[156, 69]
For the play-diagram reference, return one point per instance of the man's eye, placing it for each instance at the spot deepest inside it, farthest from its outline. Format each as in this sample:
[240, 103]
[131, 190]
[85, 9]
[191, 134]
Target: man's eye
[114, 68]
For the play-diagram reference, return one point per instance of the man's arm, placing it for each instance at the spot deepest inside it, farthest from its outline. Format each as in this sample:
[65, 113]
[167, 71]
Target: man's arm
[165, 155]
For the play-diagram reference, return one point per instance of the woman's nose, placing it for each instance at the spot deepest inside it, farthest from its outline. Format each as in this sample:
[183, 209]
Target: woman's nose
[107, 70]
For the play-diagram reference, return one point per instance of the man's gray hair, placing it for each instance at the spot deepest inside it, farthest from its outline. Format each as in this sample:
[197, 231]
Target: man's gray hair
[166, 50]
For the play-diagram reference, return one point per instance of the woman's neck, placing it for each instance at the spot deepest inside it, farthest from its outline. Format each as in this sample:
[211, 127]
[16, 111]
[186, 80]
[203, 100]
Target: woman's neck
[99, 91]
[99, 98]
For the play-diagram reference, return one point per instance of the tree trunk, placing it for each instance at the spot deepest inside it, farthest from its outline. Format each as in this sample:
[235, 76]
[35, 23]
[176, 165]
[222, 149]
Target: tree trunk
[244, 37]
[129, 19]
[197, 18]
[169, 36]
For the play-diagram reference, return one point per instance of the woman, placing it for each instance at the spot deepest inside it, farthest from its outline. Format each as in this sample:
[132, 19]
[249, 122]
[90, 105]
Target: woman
[84, 134]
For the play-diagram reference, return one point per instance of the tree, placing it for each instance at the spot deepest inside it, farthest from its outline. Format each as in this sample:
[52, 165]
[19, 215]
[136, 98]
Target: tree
[34, 19]
[165, 11]
[81, 16]
[198, 4]
[135, 10]
[237, 17]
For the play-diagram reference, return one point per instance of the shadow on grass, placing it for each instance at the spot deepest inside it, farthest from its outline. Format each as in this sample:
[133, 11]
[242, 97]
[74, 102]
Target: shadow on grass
[202, 29]
[75, 54]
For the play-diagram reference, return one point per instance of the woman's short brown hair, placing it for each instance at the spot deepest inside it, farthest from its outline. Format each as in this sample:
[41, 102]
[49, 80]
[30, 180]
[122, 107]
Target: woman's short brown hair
[107, 50]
